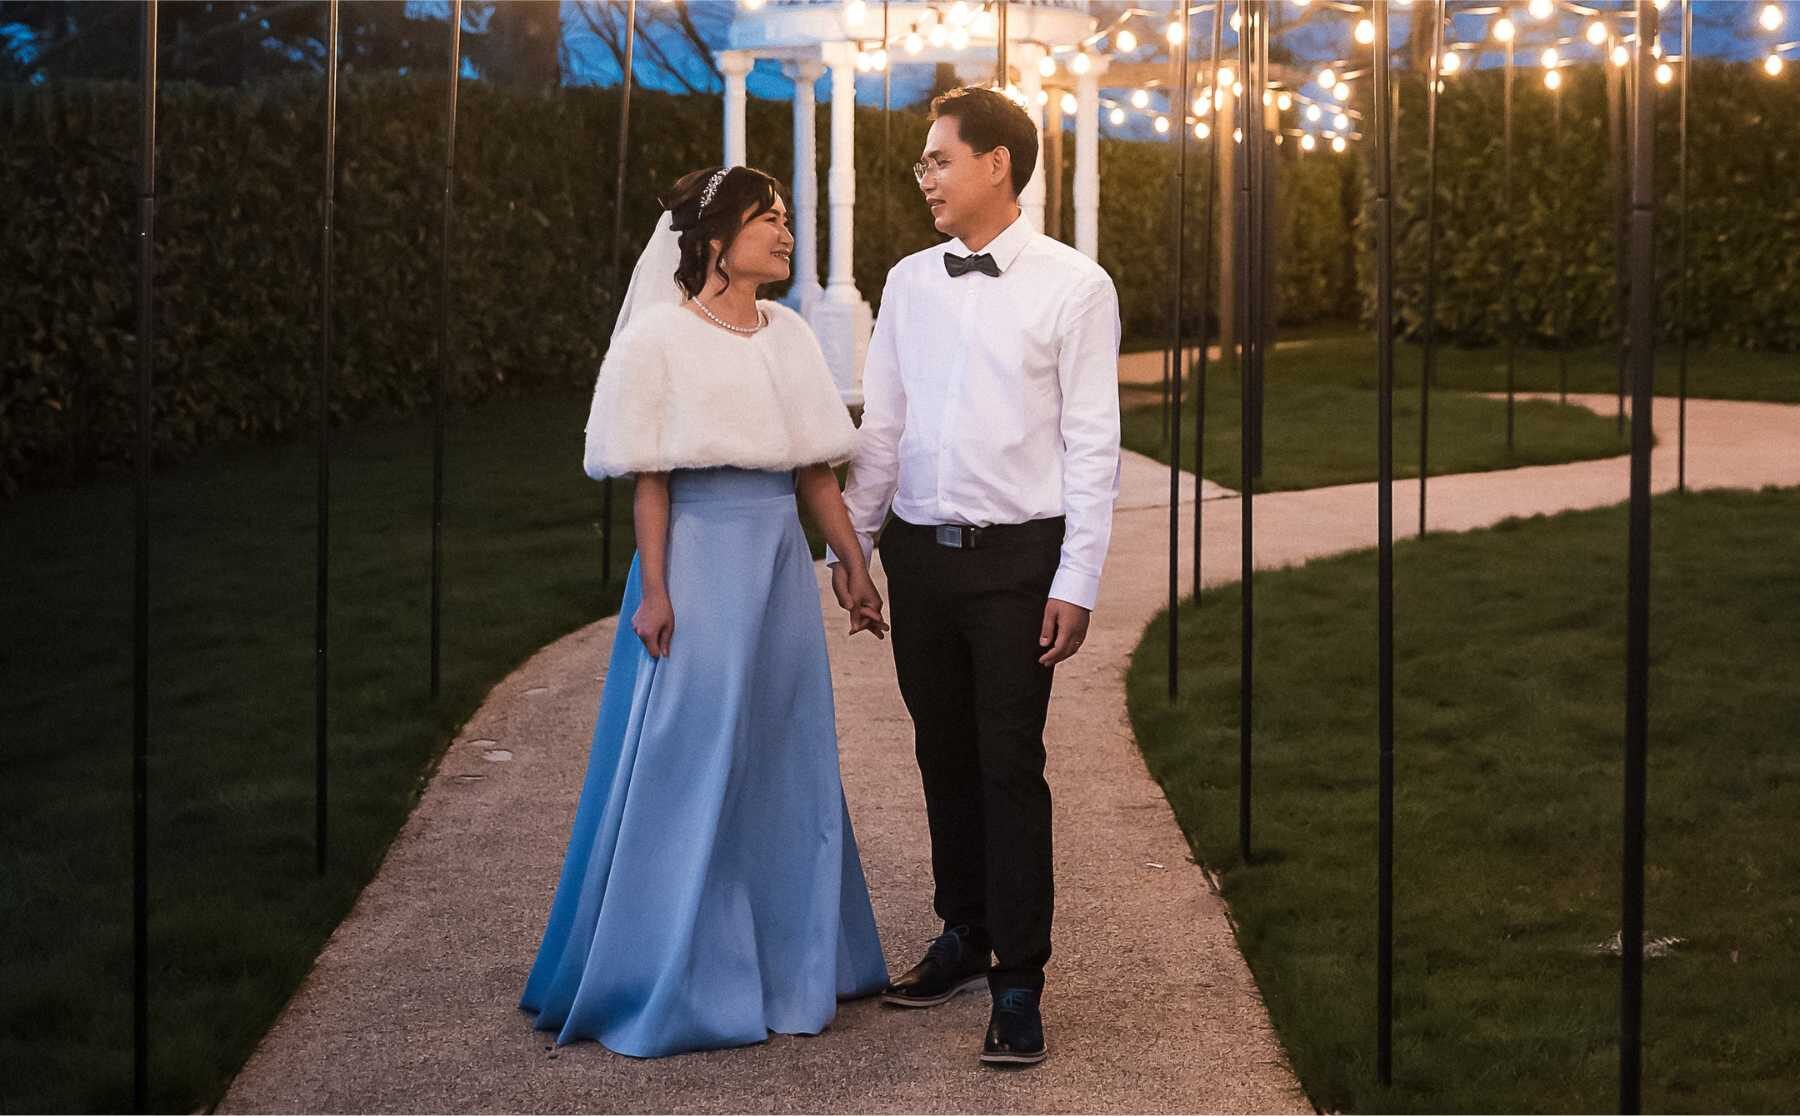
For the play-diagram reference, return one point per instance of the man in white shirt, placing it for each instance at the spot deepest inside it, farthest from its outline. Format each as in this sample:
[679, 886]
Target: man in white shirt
[991, 430]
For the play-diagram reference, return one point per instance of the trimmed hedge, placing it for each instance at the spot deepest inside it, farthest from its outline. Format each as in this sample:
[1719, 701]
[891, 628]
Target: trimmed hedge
[1744, 221]
[236, 288]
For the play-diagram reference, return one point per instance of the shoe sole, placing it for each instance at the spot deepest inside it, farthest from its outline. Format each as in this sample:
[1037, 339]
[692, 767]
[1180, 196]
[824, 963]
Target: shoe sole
[1015, 1059]
[919, 1002]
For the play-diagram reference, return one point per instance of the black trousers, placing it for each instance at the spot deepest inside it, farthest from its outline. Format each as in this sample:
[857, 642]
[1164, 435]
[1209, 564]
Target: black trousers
[965, 625]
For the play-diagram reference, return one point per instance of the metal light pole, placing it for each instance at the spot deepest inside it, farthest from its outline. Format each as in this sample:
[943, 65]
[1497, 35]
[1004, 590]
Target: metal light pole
[618, 235]
[439, 383]
[1506, 114]
[1681, 306]
[1206, 269]
[1384, 357]
[1250, 256]
[322, 561]
[1637, 616]
[140, 706]
[1178, 109]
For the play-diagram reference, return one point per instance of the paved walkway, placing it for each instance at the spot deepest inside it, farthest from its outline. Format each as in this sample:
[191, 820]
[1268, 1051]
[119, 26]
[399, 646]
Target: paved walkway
[1151, 1008]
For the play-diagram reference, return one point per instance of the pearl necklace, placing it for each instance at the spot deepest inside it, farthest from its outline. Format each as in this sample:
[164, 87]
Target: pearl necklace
[762, 319]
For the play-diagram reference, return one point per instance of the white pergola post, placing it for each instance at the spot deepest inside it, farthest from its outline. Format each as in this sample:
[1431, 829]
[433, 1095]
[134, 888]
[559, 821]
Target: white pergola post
[842, 320]
[805, 290]
[1087, 160]
[1031, 83]
[735, 65]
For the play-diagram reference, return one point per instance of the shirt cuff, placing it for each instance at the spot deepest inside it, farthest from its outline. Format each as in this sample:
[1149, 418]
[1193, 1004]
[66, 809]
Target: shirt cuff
[1079, 589]
[868, 549]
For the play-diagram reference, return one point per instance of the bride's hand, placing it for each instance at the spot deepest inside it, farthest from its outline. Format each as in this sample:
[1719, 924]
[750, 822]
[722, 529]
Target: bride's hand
[654, 623]
[865, 607]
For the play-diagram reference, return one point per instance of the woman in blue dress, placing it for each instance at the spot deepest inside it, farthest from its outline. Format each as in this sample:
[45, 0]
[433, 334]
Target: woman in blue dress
[712, 892]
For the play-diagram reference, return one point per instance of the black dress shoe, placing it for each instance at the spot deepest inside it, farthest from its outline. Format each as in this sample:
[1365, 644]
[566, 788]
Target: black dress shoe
[1015, 1034]
[957, 959]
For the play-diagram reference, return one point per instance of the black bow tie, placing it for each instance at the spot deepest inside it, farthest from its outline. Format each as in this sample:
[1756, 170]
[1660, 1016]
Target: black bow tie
[961, 265]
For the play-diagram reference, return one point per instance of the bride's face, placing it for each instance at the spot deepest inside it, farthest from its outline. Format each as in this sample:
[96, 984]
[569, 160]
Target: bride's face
[764, 248]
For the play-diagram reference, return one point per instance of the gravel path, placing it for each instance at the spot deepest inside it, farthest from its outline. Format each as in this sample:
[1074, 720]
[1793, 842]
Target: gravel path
[410, 1006]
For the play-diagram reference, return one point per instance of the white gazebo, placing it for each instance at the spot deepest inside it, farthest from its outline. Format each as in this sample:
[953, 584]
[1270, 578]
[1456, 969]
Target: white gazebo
[844, 37]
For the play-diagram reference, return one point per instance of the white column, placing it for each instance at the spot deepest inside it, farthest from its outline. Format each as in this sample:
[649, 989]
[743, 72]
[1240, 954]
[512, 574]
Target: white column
[842, 284]
[841, 319]
[736, 66]
[805, 289]
[1031, 83]
[1087, 161]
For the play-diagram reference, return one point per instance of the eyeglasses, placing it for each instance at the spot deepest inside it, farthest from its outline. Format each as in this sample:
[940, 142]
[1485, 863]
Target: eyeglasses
[933, 167]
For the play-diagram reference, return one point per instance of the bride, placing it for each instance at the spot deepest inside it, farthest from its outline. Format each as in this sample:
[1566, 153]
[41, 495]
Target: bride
[712, 890]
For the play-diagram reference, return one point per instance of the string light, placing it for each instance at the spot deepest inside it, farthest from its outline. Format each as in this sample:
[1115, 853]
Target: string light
[855, 11]
[1596, 33]
[1043, 97]
[1069, 104]
[751, 5]
[1313, 113]
[959, 12]
[1338, 144]
[1117, 116]
[1542, 9]
[1365, 32]
[1081, 64]
[1553, 80]
[1307, 142]
[1342, 92]
[1139, 98]
[937, 35]
[1162, 125]
[1201, 107]
[1504, 29]
[1284, 102]
[913, 43]
[1620, 55]
[1201, 131]
[1771, 17]
[986, 23]
[1047, 66]
[1327, 78]
[1665, 73]
[1174, 32]
[1268, 98]
[1125, 41]
[1341, 122]
[1237, 89]
[1227, 76]
[1237, 135]
[1549, 58]
[959, 39]
[880, 60]
[1772, 65]
[1237, 23]
[1452, 63]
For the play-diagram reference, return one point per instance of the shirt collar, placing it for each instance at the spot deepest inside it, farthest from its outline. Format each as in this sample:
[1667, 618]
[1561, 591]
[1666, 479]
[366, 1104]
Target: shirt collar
[1004, 248]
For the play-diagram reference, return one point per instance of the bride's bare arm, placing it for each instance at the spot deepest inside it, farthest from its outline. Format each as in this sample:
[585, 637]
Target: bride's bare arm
[817, 489]
[654, 621]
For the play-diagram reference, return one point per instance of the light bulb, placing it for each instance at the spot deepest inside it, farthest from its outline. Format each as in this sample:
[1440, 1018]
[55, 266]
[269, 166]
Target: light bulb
[855, 11]
[1081, 64]
[959, 12]
[1201, 107]
[1284, 102]
[1553, 79]
[1452, 62]
[1268, 98]
[1069, 104]
[1237, 89]
[1365, 32]
[913, 43]
[1237, 22]
[1327, 78]
[1504, 30]
[1117, 116]
[937, 35]
[1307, 142]
[1656, 47]
[1341, 122]
[1549, 58]
[986, 23]
[751, 5]
[1174, 33]
[862, 61]
[1596, 33]
[1047, 66]
[1620, 55]
[959, 39]
[1162, 125]
[1772, 65]
[1237, 135]
[1665, 73]
[880, 60]
[1542, 9]
[1771, 17]
[1201, 131]
[1342, 92]
[1227, 77]
[1338, 144]
[1313, 113]
[1125, 41]
[1139, 98]
[1043, 97]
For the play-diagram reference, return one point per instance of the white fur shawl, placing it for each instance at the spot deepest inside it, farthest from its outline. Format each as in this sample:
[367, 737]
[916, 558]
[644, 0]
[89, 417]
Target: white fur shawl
[678, 393]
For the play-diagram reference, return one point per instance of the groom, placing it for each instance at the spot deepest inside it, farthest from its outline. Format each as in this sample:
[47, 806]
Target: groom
[991, 429]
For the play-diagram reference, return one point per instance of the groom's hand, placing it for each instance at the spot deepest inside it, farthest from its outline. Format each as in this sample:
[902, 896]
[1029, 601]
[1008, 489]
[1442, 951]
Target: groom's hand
[1065, 627]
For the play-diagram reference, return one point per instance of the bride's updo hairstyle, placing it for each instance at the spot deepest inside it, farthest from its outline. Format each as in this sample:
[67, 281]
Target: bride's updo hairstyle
[700, 215]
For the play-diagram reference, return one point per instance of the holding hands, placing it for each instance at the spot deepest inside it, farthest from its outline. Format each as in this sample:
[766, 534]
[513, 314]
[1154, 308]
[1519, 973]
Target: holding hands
[857, 595]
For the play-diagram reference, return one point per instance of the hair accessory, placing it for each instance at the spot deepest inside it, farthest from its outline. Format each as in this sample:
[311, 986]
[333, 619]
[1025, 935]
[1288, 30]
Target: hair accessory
[712, 187]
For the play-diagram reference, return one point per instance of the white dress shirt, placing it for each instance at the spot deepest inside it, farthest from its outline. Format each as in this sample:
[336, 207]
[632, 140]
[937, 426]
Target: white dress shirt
[993, 400]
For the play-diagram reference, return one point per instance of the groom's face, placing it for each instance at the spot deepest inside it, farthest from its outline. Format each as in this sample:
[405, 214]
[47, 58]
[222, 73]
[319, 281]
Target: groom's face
[958, 183]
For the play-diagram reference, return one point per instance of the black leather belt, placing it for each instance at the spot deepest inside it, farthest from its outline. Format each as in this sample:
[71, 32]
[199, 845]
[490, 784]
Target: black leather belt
[959, 537]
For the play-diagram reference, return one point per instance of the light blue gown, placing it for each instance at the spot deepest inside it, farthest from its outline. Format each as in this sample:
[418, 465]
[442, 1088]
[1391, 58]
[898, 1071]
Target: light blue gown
[712, 891]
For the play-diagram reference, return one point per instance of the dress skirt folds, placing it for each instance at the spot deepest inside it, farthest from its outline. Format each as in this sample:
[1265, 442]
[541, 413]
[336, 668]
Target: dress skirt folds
[712, 890]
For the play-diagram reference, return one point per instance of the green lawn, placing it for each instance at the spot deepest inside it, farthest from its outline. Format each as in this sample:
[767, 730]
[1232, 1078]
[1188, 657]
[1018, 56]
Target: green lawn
[237, 911]
[1510, 664]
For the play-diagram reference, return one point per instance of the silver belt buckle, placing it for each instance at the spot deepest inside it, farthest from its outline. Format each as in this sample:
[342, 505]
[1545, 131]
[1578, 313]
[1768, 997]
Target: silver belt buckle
[948, 534]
